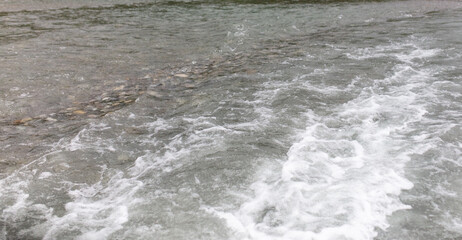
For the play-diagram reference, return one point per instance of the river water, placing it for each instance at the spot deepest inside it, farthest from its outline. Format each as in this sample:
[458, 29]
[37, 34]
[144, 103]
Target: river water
[244, 119]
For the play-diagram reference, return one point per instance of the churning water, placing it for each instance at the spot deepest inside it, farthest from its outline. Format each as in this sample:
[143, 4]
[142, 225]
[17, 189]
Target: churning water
[275, 120]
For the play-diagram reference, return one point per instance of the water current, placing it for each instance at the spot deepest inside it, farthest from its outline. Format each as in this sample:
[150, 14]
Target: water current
[316, 120]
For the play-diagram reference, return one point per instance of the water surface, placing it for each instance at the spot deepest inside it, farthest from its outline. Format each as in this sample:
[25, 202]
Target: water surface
[274, 120]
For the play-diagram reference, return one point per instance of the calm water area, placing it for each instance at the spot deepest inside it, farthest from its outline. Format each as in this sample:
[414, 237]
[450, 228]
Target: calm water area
[233, 119]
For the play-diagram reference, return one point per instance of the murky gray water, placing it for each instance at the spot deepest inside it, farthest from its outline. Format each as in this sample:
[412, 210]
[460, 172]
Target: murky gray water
[230, 120]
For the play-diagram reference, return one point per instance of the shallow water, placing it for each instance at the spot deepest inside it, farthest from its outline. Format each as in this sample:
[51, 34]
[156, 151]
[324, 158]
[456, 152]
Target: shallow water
[279, 120]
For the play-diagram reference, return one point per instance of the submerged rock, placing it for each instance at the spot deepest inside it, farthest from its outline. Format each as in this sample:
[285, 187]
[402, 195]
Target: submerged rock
[22, 121]
[155, 94]
[50, 119]
[135, 131]
[181, 75]
[119, 88]
[189, 85]
[123, 159]
[79, 112]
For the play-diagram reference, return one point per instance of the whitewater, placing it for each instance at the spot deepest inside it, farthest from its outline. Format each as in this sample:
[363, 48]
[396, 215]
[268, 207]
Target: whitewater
[283, 120]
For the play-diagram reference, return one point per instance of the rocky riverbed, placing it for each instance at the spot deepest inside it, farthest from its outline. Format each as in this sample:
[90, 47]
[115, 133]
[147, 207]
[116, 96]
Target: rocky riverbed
[27, 137]
[230, 119]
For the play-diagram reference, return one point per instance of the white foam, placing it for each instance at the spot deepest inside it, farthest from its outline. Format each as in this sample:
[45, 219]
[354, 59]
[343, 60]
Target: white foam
[405, 52]
[44, 175]
[98, 211]
[341, 177]
[341, 181]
